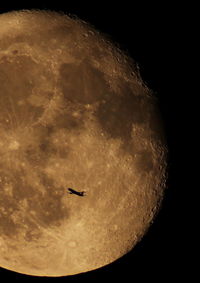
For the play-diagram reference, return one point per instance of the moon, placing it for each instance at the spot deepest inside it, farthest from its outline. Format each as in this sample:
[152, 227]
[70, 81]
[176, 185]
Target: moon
[74, 113]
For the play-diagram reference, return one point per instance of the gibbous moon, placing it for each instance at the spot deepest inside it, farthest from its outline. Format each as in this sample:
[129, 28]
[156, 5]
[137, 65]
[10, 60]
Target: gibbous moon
[74, 113]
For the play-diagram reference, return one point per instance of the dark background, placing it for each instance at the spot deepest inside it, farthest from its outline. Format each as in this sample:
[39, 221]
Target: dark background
[151, 34]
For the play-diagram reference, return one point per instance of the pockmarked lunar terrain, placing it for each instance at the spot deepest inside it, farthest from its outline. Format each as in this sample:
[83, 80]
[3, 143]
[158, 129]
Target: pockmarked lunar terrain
[74, 113]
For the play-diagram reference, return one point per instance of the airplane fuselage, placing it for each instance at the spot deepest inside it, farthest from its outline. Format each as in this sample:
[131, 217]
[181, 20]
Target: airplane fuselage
[72, 191]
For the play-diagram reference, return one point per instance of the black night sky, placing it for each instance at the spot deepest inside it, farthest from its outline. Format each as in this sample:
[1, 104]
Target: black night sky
[150, 34]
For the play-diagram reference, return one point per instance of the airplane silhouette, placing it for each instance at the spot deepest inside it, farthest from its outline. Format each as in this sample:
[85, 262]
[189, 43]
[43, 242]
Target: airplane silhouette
[72, 191]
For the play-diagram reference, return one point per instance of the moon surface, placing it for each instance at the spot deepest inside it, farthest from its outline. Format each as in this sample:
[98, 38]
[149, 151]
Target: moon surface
[75, 113]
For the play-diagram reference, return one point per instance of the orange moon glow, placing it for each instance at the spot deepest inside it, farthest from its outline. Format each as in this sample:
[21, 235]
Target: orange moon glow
[74, 113]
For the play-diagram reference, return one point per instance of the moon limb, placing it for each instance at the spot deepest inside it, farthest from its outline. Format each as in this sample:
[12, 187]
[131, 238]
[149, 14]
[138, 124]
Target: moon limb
[79, 101]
